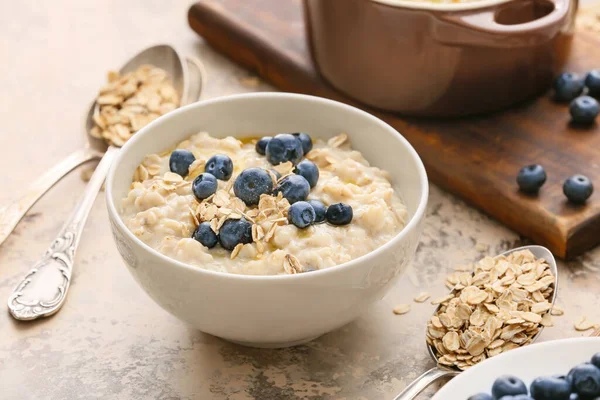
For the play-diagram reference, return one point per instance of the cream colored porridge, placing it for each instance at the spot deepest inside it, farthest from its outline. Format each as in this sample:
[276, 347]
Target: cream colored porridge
[162, 211]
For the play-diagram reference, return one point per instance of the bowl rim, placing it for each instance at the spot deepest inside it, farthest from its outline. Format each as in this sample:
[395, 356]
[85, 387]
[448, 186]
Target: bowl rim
[412, 223]
[431, 6]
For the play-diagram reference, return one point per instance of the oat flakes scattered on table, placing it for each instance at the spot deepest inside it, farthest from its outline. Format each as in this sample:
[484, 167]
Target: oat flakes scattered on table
[401, 309]
[502, 305]
[584, 324]
[422, 297]
[129, 102]
[557, 310]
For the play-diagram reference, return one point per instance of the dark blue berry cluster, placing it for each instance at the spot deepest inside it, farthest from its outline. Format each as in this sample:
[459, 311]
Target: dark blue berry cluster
[577, 188]
[252, 183]
[581, 383]
[580, 92]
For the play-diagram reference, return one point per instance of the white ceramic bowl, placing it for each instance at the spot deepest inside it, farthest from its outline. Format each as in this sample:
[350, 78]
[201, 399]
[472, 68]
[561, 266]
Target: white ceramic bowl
[556, 357]
[271, 311]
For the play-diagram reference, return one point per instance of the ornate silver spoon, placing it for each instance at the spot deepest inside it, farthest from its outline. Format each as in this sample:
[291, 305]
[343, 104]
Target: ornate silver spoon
[43, 290]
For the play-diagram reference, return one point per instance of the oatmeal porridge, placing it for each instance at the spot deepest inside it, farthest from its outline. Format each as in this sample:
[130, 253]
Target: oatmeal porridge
[262, 206]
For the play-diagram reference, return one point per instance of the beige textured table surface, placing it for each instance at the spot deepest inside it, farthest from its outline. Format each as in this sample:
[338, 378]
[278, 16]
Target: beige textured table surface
[110, 340]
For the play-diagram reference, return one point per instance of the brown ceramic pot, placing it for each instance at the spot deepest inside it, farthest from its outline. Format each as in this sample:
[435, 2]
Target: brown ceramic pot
[431, 59]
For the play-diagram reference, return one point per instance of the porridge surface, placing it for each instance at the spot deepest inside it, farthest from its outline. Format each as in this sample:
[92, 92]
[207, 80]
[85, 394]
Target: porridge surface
[162, 211]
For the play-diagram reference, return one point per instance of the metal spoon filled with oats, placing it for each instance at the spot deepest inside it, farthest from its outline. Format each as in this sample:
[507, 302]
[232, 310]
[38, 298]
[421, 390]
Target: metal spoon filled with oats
[188, 81]
[150, 84]
[502, 304]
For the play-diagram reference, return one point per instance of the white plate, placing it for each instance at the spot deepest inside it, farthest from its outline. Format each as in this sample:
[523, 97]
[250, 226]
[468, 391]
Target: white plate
[543, 359]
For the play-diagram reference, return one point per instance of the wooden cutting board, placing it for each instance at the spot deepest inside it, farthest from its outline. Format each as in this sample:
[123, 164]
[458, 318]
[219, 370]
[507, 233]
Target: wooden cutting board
[476, 158]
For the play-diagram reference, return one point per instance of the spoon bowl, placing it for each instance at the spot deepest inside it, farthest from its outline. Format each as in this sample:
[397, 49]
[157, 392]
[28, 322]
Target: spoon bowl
[189, 81]
[164, 57]
[439, 371]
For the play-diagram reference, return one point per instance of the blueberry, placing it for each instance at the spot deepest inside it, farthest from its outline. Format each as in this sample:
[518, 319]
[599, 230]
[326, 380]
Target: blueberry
[531, 178]
[301, 214]
[205, 235]
[294, 188]
[568, 86]
[508, 385]
[596, 360]
[550, 388]
[234, 232]
[309, 171]
[480, 396]
[578, 189]
[339, 214]
[592, 81]
[205, 185]
[564, 377]
[320, 210]
[517, 397]
[220, 166]
[305, 140]
[261, 145]
[251, 183]
[180, 161]
[277, 173]
[284, 147]
[585, 380]
[584, 110]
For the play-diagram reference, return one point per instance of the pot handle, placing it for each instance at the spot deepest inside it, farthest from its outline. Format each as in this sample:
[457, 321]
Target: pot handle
[484, 21]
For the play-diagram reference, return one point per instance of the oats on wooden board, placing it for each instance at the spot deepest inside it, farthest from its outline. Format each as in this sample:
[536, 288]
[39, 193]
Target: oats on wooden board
[500, 306]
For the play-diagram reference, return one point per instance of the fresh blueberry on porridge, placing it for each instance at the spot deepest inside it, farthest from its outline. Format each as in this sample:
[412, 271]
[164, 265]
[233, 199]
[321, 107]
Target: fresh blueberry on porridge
[251, 184]
[301, 214]
[309, 171]
[180, 161]
[283, 148]
[293, 188]
[305, 140]
[220, 166]
[205, 235]
[261, 145]
[320, 210]
[266, 206]
[339, 214]
[276, 173]
[234, 232]
[204, 186]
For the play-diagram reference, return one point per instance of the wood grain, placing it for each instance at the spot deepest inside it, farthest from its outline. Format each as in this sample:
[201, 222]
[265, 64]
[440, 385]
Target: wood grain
[476, 158]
